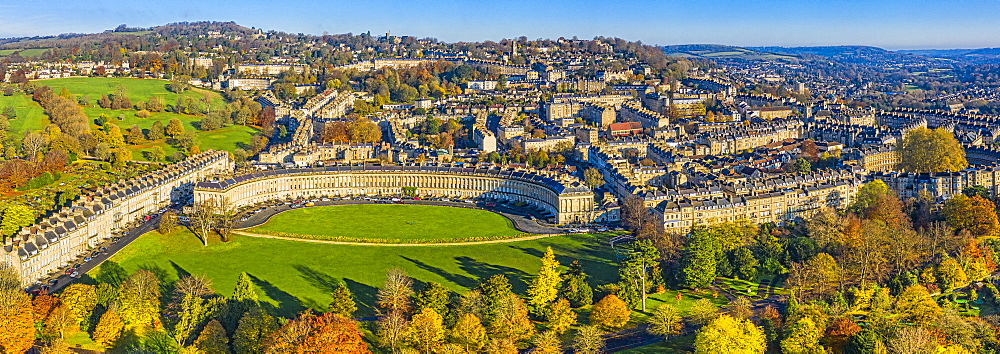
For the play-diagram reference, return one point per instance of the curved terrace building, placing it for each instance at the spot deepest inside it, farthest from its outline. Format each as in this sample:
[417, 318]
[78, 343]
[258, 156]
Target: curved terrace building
[562, 198]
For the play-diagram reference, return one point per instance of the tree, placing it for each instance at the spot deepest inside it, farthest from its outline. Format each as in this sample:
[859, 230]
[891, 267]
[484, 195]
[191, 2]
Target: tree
[950, 274]
[803, 338]
[911, 340]
[115, 139]
[343, 302]
[32, 145]
[593, 177]
[588, 340]
[109, 328]
[155, 154]
[135, 136]
[253, 327]
[868, 194]
[425, 331]
[864, 342]
[915, 304]
[560, 316]
[611, 313]
[641, 266]
[547, 343]
[139, 299]
[665, 322]
[931, 150]
[800, 165]
[81, 300]
[326, 333]
[544, 288]
[14, 218]
[976, 214]
[175, 128]
[203, 218]
[744, 263]
[703, 311]
[364, 131]
[511, 320]
[575, 287]
[726, 334]
[17, 323]
[157, 131]
[396, 292]
[212, 339]
[495, 290]
[167, 224]
[434, 296]
[468, 332]
[390, 329]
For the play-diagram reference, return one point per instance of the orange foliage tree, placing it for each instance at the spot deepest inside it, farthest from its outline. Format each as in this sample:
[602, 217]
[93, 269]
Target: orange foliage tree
[326, 333]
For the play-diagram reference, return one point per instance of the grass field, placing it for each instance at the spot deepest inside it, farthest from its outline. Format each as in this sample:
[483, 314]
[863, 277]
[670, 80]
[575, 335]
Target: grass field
[31, 116]
[293, 275]
[24, 52]
[389, 222]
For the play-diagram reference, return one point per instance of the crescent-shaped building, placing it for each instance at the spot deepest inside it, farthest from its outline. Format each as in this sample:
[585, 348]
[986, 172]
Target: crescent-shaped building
[564, 199]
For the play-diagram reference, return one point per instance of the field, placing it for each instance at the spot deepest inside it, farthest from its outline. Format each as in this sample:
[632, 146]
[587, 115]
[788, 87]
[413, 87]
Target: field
[293, 275]
[24, 52]
[389, 222]
[31, 116]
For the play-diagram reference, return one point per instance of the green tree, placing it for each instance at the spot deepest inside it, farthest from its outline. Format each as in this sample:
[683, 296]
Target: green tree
[433, 296]
[865, 342]
[544, 288]
[931, 150]
[244, 291]
[253, 327]
[726, 334]
[593, 177]
[157, 131]
[495, 290]
[803, 338]
[14, 218]
[800, 165]
[640, 267]
[575, 287]
[744, 263]
[343, 302]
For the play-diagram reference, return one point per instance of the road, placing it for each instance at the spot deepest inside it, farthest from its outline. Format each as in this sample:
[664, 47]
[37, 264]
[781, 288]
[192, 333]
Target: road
[64, 280]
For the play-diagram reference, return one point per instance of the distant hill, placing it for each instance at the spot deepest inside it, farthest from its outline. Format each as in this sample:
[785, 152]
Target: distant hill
[981, 55]
[848, 54]
[724, 52]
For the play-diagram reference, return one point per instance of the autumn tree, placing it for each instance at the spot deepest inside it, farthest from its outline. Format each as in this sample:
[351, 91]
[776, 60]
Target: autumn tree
[611, 313]
[81, 300]
[390, 329]
[174, 128]
[726, 334]
[931, 150]
[434, 296]
[109, 328]
[468, 332]
[588, 340]
[139, 299]
[976, 214]
[495, 292]
[544, 288]
[560, 316]
[157, 131]
[665, 321]
[916, 305]
[593, 177]
[425, 331]
[803, 338]
[17, 323]
[203, 218]
[547, 342]
[396, 292]
[326, 333]
[212, 339]
[511, 320]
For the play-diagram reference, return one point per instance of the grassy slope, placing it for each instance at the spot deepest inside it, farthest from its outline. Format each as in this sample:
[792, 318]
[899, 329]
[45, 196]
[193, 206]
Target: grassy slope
[293, 275]
[227, 138]
[30, 116]
[404, 222]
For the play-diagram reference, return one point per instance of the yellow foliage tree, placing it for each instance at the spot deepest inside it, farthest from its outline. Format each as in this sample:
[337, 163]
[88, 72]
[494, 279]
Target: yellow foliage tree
[108, 329]
[931, 150]
[611, 313]
[425, 331]
[726, 334]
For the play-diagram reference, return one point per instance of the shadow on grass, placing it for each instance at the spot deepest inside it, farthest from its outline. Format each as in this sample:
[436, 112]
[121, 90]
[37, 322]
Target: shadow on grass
[596, 257]
[364, 296]
[518, 278]
[461, 280]
[288, 305]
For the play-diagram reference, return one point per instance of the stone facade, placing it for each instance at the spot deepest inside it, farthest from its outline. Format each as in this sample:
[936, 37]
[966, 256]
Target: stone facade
[563, 197]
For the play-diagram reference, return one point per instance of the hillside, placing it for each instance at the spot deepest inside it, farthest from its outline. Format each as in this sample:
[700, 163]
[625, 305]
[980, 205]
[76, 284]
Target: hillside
[31, 116]
[724, 52]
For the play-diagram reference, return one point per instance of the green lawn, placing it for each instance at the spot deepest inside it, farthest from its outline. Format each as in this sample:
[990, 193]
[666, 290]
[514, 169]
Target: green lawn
[293, 275]
[677, 345]
[389, 222]
[31, 116]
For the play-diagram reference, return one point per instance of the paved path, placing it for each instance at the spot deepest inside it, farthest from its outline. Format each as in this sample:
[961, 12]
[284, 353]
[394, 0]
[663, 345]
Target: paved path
[526, 238]
[518, 218]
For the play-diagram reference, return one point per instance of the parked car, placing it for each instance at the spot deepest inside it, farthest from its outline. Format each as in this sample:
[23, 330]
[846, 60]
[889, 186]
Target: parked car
[74, 275]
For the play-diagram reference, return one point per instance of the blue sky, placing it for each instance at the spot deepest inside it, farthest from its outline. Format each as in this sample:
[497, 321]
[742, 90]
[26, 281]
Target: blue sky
[892, 24]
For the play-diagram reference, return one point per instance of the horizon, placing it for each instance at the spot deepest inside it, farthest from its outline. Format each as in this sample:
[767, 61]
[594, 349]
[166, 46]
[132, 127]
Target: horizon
[891, 25]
